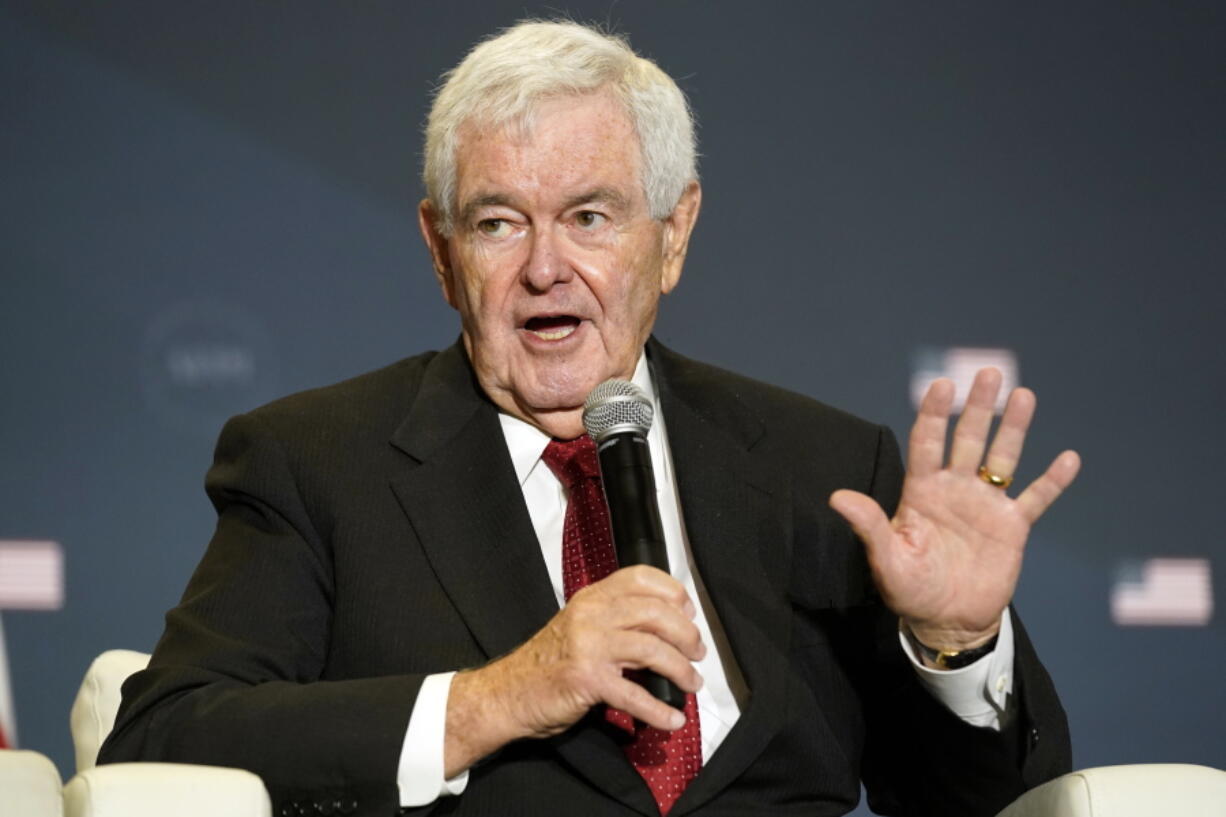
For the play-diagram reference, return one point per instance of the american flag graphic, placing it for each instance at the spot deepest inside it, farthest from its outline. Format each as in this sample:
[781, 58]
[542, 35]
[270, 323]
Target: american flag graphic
[1163, 592]
[8, 721]
[959, 364]
[31, 575]
[31, 578]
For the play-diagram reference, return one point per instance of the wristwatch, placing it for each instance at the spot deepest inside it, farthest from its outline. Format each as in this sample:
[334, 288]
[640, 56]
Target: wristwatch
[952, 659]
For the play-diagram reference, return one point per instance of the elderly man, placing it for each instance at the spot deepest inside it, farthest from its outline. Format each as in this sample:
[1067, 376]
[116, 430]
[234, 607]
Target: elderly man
[411, 602]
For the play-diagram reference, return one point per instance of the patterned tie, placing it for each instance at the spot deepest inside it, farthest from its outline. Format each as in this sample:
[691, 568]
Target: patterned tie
[667, 761]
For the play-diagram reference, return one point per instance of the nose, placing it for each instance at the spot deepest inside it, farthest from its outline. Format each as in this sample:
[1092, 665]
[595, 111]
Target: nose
[546, 264]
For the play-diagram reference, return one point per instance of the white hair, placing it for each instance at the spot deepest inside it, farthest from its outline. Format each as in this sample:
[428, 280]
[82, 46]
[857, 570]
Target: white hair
[502, 80]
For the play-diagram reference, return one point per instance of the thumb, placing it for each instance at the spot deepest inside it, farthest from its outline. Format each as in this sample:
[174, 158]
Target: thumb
[865, 517]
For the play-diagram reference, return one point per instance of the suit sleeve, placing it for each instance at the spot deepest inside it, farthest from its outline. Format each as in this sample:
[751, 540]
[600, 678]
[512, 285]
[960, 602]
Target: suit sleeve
[922, 759]
[236, 678]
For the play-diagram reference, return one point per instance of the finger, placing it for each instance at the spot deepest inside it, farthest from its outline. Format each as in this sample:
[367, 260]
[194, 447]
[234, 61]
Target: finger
[635, 650]
[1039, 495]
[659, 618]
[971, 433]
[645, 580]
[926, 447]
[1006, 448]
[641, 705]
[865, 517]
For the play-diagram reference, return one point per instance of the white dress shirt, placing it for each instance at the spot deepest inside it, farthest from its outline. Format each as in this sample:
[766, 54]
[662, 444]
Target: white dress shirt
[976, 693]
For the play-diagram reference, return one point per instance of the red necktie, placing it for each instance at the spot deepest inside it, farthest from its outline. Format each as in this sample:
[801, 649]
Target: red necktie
[667, 761]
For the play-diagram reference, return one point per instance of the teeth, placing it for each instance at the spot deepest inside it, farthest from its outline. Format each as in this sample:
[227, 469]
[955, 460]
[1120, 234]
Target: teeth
[555, 334]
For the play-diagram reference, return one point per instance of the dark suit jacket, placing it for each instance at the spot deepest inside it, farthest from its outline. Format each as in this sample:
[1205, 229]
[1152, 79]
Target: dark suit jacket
[373, 532]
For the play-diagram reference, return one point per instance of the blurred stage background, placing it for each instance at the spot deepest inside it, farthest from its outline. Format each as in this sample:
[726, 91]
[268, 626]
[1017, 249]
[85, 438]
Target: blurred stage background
[208, 205]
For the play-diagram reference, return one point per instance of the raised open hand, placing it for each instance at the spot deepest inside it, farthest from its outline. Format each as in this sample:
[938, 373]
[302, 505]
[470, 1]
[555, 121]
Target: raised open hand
[948, 562]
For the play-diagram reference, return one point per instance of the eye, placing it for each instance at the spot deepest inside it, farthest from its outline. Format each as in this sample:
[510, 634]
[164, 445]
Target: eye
[494, 227]
[590, 219]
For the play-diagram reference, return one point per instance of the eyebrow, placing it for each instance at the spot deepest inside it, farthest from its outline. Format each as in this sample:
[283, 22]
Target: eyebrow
[484, 200]
[606, 195]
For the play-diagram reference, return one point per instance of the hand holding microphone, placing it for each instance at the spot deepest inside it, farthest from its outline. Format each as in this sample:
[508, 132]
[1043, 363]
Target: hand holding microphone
[638, 616]
[617, 416]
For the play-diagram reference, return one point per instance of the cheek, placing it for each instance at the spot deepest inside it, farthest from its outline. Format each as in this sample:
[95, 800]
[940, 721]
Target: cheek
[477, 285]
[642, 288]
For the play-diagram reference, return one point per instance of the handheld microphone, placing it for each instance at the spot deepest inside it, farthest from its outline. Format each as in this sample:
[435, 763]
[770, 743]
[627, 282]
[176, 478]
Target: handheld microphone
[617, 416]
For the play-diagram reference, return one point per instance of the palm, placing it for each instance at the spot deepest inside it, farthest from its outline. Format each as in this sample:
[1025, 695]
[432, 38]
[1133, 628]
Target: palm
[948, 561]
[951, 532]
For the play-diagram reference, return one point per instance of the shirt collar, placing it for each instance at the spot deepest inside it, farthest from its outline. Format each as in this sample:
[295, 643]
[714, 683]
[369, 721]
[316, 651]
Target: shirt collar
[526, 442]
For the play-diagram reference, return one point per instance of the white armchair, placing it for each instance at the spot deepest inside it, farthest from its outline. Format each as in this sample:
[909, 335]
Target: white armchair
[93, 712]
[144, 789]
[159, 789]
[1143, 790]
[29, 785]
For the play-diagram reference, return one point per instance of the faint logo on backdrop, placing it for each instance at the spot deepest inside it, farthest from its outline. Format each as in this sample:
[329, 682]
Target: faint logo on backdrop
[959, 364]
[204, 361]
[1163, 593]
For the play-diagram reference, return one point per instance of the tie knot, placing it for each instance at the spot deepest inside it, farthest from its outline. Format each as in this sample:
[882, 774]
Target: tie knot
[572, 460]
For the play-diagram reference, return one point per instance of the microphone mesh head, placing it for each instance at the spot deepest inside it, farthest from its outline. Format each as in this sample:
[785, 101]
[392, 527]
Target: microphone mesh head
[617, 406]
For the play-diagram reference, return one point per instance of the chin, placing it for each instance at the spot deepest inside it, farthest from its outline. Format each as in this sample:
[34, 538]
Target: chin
[545, 400]
[560, 390]
[561, 425]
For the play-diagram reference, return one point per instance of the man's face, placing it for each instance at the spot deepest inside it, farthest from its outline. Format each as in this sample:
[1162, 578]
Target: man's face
[555, 264]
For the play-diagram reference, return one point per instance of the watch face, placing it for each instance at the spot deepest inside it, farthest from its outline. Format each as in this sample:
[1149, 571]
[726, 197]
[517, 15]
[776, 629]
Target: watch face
[956, 659]
[964, 658]
[953, 659]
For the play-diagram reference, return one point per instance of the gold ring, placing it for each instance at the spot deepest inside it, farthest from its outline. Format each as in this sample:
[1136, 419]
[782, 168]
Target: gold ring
[995, 480]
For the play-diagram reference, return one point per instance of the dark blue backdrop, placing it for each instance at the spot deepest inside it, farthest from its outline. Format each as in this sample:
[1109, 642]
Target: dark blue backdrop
[206, 205]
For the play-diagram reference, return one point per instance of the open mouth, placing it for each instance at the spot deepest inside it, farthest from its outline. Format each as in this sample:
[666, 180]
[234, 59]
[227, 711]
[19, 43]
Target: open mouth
[552, 327]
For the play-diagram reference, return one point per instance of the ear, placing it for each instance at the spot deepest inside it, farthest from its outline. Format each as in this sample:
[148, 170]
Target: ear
[440, 253]
[678, 226]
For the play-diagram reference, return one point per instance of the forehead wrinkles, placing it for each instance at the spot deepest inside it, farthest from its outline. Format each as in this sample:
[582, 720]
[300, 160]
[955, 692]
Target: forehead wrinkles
[571, 144]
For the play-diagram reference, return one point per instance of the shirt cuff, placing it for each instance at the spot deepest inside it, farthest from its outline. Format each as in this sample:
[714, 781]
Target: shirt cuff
[420, 771]
[977, 693]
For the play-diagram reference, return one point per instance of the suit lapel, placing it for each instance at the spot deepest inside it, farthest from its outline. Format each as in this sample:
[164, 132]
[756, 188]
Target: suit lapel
[486, 556]
[483, 548]
[735, 509]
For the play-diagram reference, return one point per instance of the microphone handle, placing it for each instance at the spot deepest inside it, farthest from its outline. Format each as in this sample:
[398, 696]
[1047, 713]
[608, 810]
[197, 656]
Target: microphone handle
[634, 515]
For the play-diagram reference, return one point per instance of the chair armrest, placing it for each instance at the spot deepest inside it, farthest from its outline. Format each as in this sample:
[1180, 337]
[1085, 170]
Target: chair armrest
[93, 712]
[159, 789]
[1140, 790]
[29, 785]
